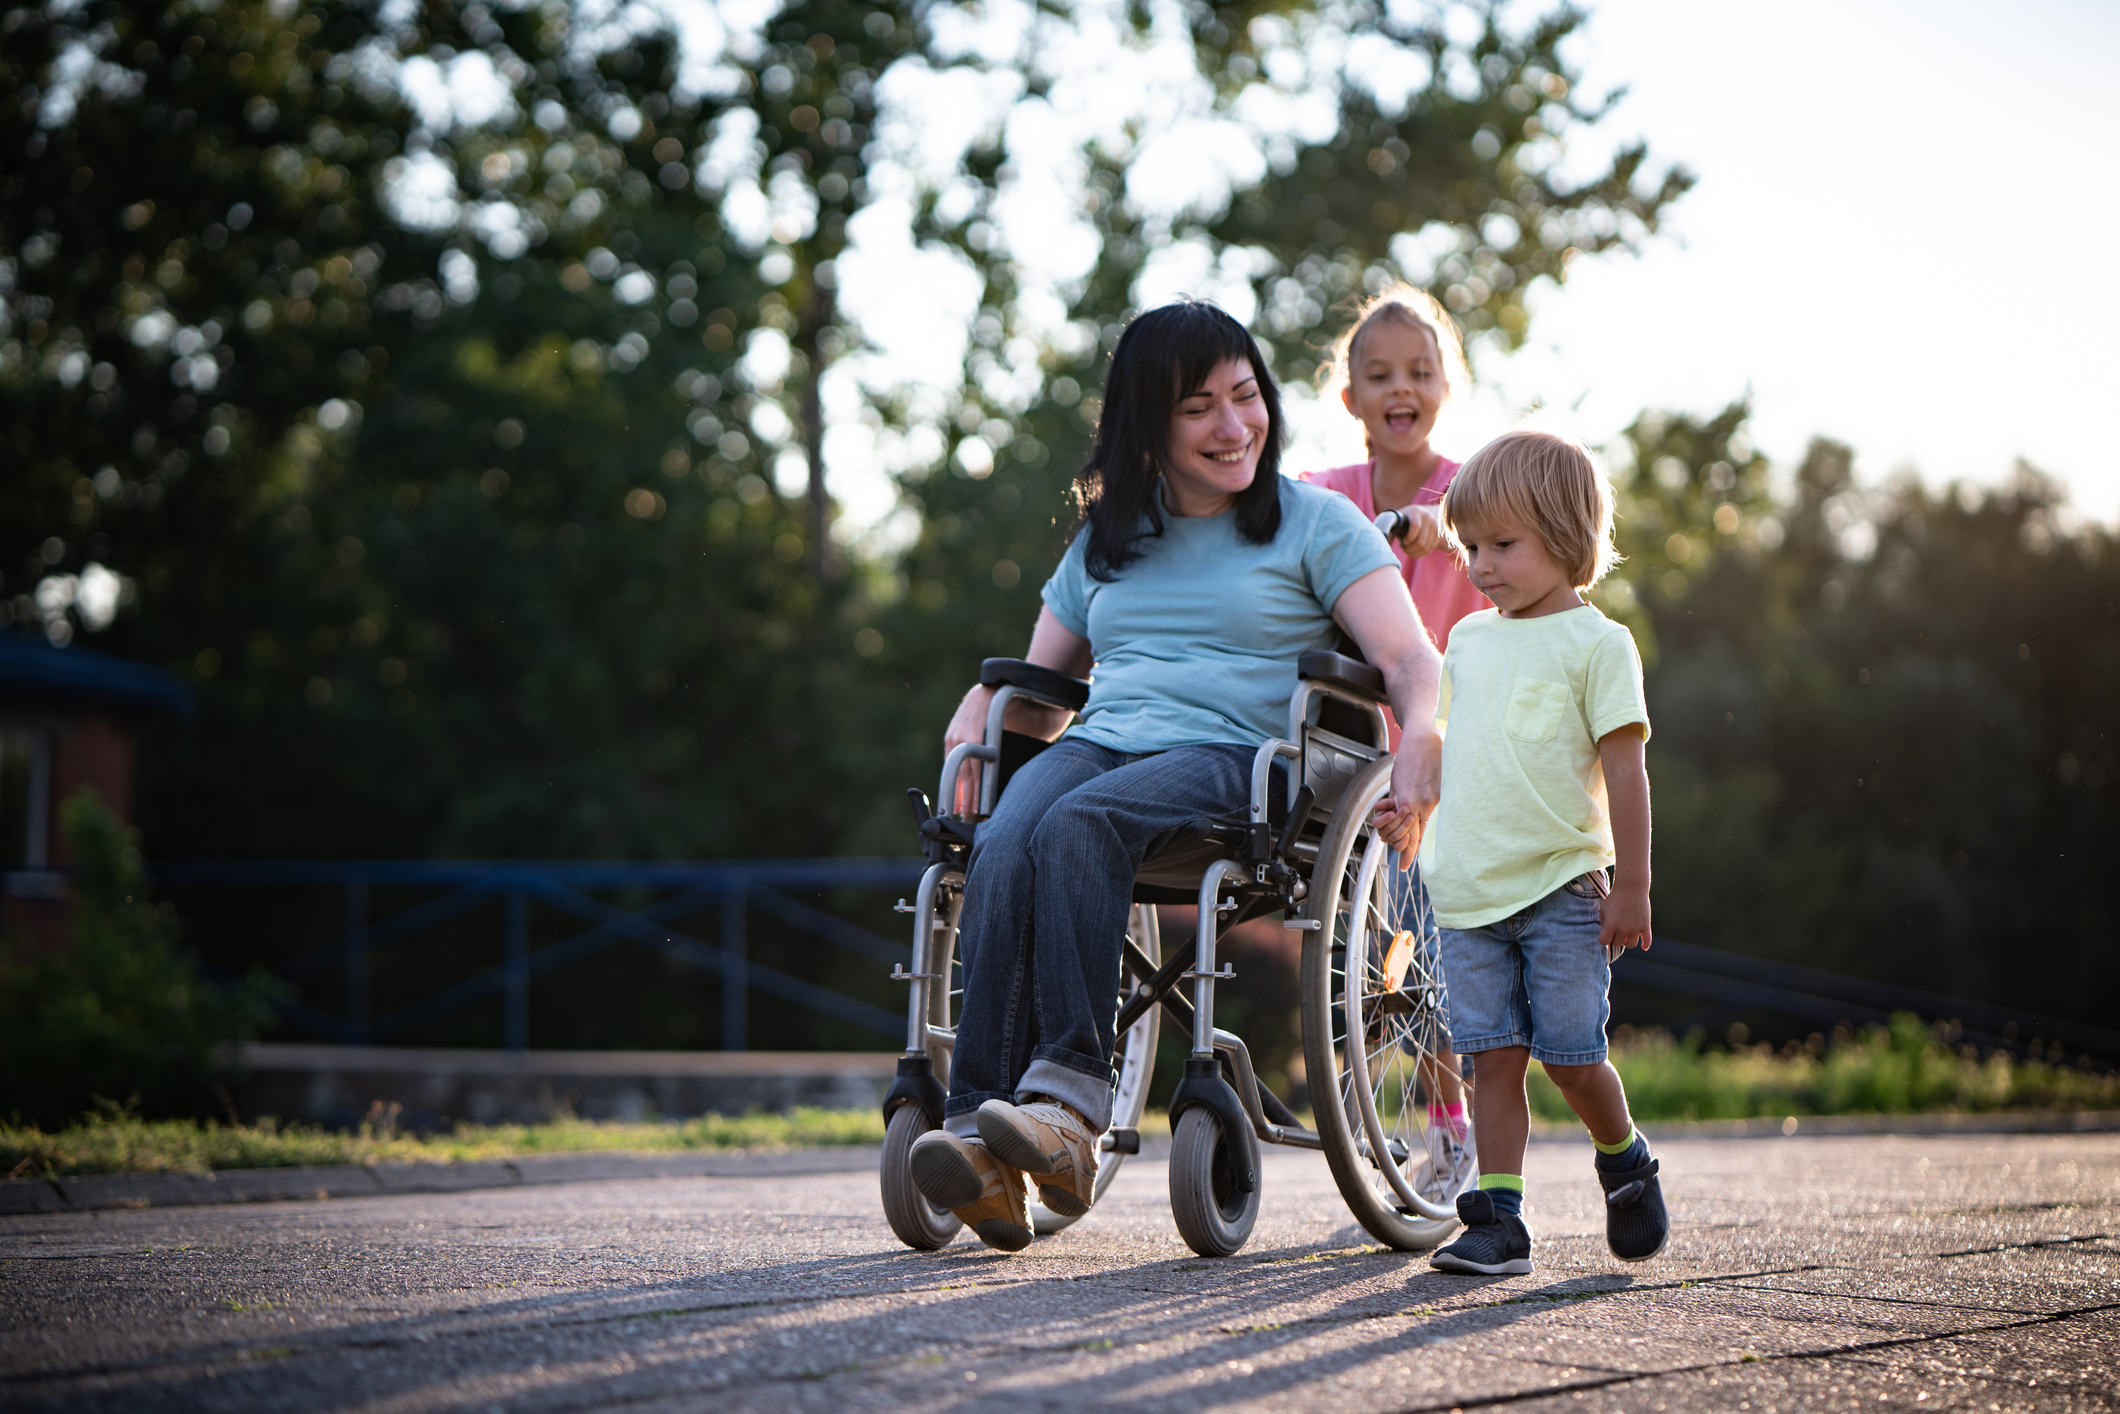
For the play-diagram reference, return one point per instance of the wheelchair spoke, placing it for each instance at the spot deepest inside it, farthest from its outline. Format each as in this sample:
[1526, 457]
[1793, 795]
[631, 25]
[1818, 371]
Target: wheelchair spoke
[1387, 989]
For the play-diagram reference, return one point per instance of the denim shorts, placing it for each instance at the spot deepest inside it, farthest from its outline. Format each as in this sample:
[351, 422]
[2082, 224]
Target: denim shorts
[1537, 978]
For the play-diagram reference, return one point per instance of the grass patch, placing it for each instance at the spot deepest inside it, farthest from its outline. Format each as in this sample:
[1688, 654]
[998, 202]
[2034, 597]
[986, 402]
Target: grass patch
[115, 1142]
[1908, 1067]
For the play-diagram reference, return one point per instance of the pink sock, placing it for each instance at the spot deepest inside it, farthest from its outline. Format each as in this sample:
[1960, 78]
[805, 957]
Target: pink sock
[1453, 1115]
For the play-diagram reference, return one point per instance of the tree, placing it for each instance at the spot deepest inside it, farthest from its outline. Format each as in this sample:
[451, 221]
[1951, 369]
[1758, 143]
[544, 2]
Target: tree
[435, 378]
[1878, 742]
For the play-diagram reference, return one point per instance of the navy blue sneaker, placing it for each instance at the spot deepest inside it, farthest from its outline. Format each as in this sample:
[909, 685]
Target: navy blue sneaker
[1494, 1243]
[1636, 1225]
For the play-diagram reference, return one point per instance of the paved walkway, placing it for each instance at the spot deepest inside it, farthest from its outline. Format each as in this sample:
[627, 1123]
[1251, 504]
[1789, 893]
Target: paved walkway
[1806, 1273]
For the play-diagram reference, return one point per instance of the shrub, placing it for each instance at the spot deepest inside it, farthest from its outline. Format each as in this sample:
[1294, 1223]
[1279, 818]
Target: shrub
[1907, 1067]
[122, 1017]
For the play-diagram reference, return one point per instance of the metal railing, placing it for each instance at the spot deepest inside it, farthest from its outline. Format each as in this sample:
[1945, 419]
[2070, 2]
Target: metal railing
[733, 888]
[1734, 981]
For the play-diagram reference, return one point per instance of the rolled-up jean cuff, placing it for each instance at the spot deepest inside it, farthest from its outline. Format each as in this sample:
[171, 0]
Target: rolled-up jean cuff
[1491, 1043]
[1062, 1077]
[1546, 1057]
[960, 1115]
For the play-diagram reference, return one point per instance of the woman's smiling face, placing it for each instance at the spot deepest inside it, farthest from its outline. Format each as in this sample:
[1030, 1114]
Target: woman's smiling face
[1216, 435]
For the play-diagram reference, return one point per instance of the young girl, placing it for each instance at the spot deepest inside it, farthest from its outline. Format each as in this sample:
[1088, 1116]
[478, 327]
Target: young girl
[1395, 367]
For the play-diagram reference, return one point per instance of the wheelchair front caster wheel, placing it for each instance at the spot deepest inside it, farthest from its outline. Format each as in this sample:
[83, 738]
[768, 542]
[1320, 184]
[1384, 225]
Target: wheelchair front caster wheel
[1213, 1217]
[919, 1224]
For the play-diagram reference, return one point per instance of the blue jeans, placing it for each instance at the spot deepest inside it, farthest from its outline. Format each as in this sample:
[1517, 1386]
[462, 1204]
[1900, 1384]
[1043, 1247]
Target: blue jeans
[1537, 978]
[1046, 899]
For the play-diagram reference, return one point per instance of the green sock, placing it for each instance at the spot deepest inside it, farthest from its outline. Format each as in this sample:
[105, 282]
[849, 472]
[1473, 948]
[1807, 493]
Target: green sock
[1506, 1190]
[1623, 1146]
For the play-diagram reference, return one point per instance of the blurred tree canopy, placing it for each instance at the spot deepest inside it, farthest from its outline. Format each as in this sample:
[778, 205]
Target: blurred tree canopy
[1883, 740]
[427, 376]
[449, 390]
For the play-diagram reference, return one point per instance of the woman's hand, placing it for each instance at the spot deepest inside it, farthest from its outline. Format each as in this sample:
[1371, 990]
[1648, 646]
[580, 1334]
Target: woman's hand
[1424, 530]
[1416, 787]
[1053, 645]
[968, 725]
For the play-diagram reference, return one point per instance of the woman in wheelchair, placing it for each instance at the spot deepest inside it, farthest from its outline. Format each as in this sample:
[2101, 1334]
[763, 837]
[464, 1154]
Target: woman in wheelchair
[1198, 577]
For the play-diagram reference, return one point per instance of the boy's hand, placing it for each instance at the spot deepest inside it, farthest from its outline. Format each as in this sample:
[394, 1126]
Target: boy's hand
[1624, 913]
[1624, 918]
[1416, 781]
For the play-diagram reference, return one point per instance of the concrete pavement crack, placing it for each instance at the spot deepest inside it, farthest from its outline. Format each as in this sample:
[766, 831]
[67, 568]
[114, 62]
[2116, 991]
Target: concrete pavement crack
[1790, 1356]
[1893, 1300]
[2027, 1246]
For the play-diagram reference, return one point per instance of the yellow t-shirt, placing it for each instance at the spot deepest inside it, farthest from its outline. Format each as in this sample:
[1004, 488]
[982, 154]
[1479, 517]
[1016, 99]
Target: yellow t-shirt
[1523, 704]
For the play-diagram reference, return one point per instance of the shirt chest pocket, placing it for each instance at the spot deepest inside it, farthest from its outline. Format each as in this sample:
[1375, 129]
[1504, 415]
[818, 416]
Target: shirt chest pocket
[1535, 710]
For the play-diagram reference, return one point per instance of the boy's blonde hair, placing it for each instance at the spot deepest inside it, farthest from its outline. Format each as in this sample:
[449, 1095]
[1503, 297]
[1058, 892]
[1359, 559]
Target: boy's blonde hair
[1547, 484]
[1413, 308]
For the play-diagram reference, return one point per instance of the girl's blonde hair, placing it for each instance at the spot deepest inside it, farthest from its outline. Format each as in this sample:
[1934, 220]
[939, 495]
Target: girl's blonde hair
[1547, 484]
[1414, 309]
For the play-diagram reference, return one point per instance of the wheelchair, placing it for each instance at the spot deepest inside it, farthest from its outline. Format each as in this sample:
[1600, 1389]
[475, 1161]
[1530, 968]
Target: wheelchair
[1372, 1016]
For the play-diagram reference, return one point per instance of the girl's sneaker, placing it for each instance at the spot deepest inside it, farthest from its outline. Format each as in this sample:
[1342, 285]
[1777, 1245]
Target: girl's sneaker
[1452, 1165]
[1636, 1225]
[1493, 1244]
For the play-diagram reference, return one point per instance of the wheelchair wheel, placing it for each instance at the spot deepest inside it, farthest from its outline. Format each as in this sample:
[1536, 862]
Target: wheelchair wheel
[1213, 1217]
[1135, 1060]
[918, 1223]
[1370, 1039]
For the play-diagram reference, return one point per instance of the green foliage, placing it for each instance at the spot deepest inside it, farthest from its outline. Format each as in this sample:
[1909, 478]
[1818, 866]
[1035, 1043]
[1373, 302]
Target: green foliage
[467, 522]
[393, 493]
[1882, 734]
[122, 1016]
[1905, 1068]
[121, 1142]
[476, 536]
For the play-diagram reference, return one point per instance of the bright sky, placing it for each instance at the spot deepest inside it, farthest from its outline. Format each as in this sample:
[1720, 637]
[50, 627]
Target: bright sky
[1899, 238]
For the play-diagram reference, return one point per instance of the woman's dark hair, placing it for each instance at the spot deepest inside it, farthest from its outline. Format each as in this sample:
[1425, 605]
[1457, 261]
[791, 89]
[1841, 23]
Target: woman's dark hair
[1163, 356]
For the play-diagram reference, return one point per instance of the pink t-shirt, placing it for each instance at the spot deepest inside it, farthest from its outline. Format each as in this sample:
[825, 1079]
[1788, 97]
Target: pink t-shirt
[1442, 593]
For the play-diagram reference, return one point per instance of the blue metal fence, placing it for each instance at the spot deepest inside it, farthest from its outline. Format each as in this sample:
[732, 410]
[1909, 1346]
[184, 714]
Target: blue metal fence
[569, 887]
[1733, 981]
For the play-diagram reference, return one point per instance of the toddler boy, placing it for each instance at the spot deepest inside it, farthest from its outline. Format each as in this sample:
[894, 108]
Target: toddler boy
[1543, 789]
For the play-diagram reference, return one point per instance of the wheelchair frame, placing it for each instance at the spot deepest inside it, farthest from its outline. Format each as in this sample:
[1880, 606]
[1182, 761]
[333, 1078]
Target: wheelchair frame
[1234, 869]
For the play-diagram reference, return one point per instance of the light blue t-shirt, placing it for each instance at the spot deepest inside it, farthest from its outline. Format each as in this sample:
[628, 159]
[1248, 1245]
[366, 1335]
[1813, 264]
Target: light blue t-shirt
[1196, 641]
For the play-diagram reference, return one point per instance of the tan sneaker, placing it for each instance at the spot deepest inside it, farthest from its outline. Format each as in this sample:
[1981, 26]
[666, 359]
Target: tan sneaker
[985, 1194]
[1049, 1141]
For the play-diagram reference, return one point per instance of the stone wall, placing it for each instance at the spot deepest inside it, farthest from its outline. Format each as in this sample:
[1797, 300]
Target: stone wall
[339, 1086]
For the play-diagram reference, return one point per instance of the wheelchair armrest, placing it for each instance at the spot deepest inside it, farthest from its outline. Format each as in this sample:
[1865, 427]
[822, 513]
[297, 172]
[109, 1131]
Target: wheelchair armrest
[1044, 682]
[1343, 672]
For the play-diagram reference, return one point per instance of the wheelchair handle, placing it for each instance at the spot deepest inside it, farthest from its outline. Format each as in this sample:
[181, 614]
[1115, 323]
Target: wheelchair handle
[1394, 524]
